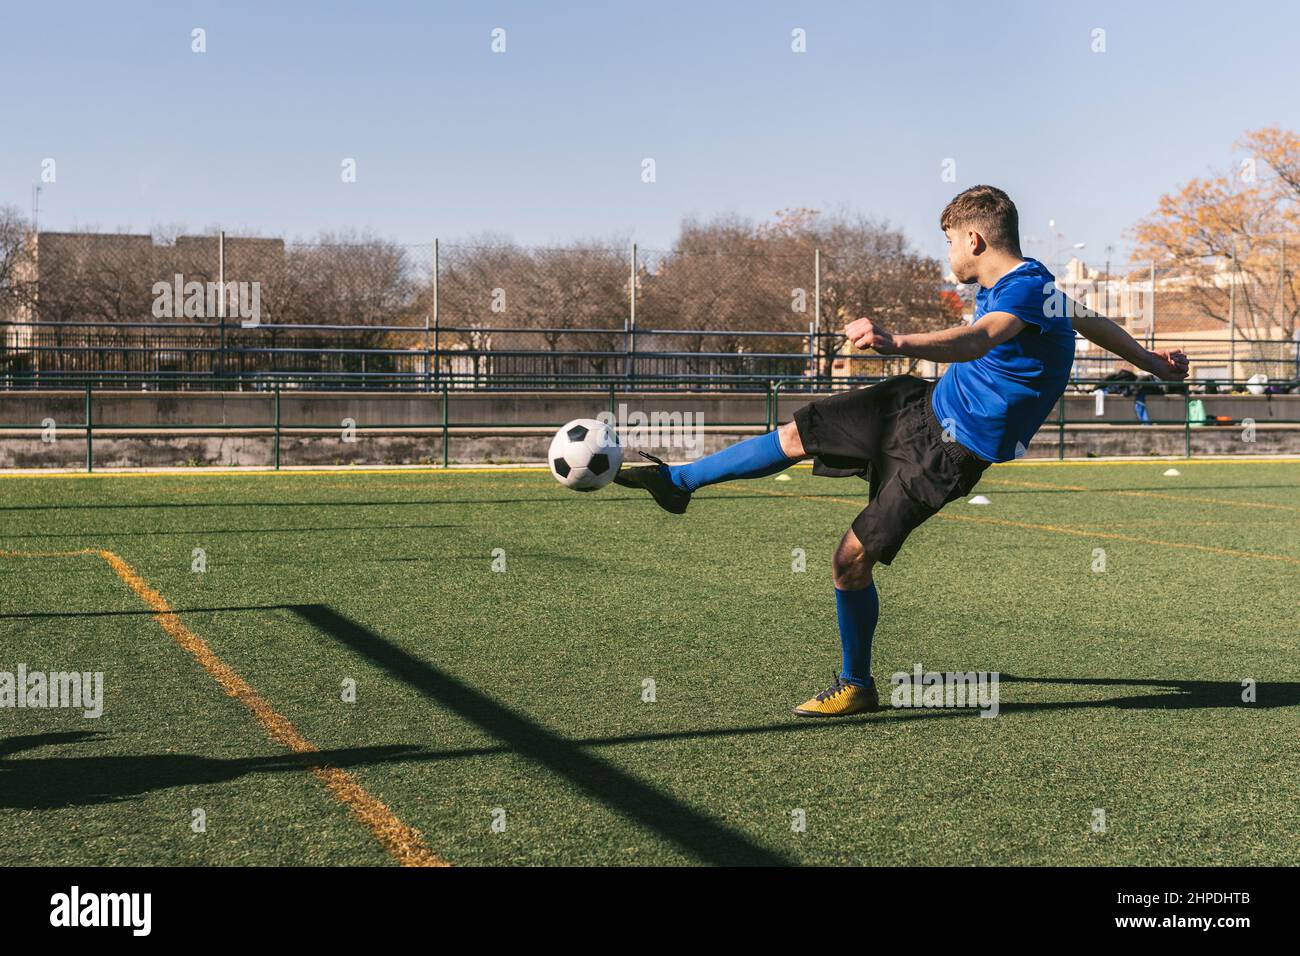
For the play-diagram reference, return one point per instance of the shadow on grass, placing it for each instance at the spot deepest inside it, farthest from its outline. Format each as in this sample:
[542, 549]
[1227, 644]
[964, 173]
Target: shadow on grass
[140, 612]
[35, 783]
[47, 783]
[555, 496]
[696, 833]
[1181, 695]
[52, 782]
[208, 532]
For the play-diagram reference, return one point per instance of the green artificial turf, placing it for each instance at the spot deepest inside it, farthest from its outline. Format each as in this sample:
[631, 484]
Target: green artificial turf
[479, 691]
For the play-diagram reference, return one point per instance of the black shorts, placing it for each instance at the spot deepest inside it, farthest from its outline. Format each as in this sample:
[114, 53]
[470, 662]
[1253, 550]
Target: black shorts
[888, 434]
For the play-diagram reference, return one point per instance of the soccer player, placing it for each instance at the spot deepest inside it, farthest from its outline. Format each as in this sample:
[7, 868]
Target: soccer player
[920, 444]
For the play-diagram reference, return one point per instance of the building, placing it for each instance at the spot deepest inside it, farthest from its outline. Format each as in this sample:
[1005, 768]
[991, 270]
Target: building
[1228, 327]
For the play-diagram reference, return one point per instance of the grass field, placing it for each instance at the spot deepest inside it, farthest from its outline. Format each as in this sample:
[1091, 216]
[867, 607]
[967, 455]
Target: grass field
[521, 690]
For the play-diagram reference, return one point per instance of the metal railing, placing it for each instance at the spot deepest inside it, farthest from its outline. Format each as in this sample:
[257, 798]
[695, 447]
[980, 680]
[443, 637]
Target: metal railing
[418, 358]
[771, 389]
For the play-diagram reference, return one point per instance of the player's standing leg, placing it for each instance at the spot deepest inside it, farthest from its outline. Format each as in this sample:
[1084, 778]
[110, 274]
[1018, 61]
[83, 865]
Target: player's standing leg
[857, 608]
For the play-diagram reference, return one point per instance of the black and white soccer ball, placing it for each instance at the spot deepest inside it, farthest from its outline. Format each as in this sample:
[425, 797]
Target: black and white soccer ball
[585, 454]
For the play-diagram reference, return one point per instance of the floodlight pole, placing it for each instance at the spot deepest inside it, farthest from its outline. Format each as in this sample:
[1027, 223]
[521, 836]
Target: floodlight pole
[1232, 318]
[817, 304]
[221, 304]
[435, 311]
[631, 318]
[1281, 287]
[428, 380]
[1151, 328]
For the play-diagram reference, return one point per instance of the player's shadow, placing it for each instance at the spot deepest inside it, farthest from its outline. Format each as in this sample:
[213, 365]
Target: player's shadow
[1173, 695]
[50, 782]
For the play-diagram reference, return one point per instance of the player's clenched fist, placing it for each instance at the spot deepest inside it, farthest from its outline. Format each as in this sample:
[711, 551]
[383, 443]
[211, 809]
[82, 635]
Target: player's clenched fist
[865, 334]
[1168, 366]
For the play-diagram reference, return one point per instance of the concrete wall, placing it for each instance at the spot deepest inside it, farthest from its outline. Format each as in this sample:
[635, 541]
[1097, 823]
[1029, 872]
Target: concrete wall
[503, 409]
[145, 429]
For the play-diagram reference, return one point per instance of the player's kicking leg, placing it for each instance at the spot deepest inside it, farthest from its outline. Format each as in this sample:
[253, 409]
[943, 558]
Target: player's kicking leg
[672, 485]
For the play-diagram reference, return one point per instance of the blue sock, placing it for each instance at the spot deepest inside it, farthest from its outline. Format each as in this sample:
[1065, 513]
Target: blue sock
[751, 458]
[857, 612]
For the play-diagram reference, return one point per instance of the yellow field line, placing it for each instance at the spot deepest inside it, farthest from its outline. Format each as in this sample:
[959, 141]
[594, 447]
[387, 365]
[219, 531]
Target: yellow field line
[402, 842]
[1084, 533]
[542, 469]
[1161, 460]
[229, 472]
[1142, 494]
[1077, 532]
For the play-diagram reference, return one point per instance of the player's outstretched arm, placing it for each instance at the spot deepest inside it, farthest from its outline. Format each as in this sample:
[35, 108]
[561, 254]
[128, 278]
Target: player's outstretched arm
[1167, 366]
[961, 343]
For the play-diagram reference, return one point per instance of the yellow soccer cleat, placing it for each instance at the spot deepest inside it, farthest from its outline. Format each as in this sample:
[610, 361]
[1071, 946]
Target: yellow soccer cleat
[840, 700]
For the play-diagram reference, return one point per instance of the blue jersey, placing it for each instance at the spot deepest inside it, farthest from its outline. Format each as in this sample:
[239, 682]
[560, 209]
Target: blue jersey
[995, 403]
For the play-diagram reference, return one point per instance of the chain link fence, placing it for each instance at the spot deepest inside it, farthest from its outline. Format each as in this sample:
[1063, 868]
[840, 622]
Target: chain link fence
[493, 314]
[1235, 315]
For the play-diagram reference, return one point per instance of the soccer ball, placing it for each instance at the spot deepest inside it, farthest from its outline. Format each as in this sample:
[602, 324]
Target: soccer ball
[585, 455]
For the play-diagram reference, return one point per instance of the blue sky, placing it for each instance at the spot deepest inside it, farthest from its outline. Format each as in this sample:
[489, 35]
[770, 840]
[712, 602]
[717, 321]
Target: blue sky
[544, 142]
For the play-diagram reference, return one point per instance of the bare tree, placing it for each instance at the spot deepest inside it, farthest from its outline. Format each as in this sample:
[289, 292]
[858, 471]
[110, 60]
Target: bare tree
[13, 229]
[727, 275]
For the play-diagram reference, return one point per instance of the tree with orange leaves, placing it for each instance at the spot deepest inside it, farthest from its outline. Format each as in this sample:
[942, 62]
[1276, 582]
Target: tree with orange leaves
[1236, 234]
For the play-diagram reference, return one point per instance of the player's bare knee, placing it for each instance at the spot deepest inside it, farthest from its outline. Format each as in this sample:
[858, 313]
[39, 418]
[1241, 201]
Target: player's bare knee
[791, 443]
[851, 565]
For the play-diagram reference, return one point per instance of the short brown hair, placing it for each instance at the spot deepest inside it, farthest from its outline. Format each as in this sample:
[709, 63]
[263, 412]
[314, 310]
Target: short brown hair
[990, 212]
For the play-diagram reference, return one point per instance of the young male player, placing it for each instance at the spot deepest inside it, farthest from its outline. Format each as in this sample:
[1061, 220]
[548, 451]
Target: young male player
[922, 445]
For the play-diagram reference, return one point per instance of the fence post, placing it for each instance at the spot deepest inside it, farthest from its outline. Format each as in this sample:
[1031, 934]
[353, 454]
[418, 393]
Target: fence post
[817, 304]
[1281, 283]
[1060, 439]
[1151, 327]
[1187, 422]
[221, 305]
[1232, 322]
[90, 439]
[428, 380]
[631, 319]
[277, 426]
[436, 270]
[445, 431]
